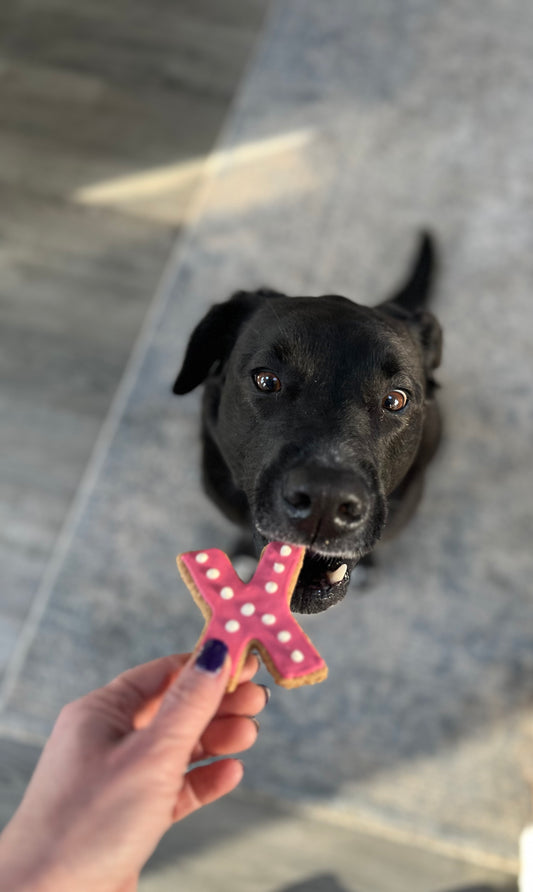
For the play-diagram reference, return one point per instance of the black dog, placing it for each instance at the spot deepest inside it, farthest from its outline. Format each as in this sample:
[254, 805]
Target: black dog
[319, 420]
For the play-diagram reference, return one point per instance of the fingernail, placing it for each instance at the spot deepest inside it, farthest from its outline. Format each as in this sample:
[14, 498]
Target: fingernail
[268, 693]
[212, 655]
[256, 723]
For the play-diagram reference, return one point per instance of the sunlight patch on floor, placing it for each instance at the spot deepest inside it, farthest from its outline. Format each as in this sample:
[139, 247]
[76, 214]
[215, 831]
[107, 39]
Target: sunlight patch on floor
[165, 192]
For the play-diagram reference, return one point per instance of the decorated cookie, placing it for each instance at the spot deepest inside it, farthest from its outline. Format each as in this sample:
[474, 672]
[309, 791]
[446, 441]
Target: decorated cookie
[256, 615]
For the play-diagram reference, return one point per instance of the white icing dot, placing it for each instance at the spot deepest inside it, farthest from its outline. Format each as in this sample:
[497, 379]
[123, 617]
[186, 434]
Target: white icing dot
[269, 619]
[284, 636]
[202, 557]
[248, 609]
[232, 625]
[213, 573]
[279, 568]
[285, 550]
[271, 587]
[226, 593]
[297, 656]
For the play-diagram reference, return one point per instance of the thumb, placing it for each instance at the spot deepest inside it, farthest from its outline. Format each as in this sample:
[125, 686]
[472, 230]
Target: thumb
[193, 698]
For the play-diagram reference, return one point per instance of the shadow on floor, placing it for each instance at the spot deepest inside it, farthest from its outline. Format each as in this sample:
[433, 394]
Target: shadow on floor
[484, 887]
[325, 882]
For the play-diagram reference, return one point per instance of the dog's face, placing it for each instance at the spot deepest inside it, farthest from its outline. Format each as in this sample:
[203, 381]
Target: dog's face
[315, 408]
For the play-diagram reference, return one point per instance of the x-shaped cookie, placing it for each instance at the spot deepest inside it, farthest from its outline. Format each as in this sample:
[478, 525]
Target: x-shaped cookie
[254, 615]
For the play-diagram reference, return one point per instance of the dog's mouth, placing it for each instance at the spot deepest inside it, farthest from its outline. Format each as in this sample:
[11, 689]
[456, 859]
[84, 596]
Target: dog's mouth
[323, 581]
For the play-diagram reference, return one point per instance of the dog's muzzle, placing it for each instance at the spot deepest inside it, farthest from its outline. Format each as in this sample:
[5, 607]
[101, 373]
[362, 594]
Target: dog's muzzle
[337, 513]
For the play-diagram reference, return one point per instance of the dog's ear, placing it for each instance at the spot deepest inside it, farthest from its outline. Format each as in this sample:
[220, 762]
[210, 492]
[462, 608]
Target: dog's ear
[213, 339]
[429, 334]
[426, 329]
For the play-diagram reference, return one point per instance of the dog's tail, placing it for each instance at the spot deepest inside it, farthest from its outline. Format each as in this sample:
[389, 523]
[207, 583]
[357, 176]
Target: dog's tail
[415, 291]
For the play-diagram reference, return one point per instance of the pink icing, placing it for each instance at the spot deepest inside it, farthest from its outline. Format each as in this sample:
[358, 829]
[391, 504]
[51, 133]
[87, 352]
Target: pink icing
[255, 612]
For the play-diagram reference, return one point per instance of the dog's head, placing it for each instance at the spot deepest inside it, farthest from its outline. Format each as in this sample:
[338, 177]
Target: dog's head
[314, 408]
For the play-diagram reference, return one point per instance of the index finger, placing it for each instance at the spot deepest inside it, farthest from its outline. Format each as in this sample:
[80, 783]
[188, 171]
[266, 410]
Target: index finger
[141, 689]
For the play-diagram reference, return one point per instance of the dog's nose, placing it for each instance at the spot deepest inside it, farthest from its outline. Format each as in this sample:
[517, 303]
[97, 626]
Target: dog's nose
[323, 501]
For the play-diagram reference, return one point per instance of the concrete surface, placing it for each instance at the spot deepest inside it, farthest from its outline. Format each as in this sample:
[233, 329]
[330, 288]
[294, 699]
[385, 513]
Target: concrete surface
[357, 125]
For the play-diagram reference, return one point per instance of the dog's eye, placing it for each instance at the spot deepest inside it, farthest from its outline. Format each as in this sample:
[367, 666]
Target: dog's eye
[395, 400]
[266, 381]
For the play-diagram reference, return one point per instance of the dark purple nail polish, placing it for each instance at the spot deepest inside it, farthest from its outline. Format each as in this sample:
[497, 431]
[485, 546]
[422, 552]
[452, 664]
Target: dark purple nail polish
[212, 655]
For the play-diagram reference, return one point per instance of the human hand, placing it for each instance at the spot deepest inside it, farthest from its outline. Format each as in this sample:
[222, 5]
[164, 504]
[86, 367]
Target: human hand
[114, 775]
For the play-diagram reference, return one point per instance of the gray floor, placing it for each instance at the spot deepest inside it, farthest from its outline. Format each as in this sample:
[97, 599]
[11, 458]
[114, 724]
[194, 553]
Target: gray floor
[351, 129]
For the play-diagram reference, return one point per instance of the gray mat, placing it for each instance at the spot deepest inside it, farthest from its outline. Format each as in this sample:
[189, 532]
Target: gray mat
[358, 123]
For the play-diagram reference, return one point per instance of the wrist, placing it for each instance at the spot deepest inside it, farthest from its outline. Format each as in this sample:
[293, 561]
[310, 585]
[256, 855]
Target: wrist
[27, 880]
[19, 871]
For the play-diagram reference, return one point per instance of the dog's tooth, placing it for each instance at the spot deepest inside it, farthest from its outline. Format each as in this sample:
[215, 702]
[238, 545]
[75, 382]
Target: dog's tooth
[335, 576]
